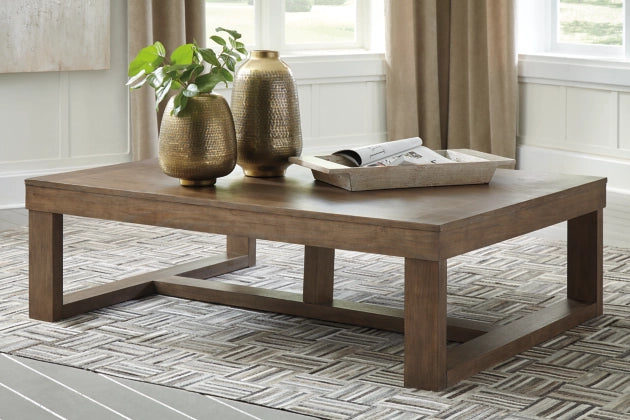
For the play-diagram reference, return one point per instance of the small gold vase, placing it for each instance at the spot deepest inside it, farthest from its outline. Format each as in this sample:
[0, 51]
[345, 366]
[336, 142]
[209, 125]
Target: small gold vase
[266, 115]
[199, 145]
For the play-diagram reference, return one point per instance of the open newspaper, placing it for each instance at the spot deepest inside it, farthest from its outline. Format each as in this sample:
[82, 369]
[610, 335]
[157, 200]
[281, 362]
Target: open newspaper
[393, 153]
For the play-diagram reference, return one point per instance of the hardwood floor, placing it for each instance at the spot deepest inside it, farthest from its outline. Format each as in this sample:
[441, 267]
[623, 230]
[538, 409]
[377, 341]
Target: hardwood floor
[34, 390]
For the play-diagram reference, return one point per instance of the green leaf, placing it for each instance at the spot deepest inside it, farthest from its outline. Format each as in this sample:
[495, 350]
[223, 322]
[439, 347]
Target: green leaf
[240, 47]
[232, 32]
[176, 85]
[141, 75]
[218, 40]
[139, 84]
[234, 55]
[174, 70]
[156, 79]
[183, 54]
[162, 91]
[227, 75]
[179, 103]
[191, 72]
[229, 61]
[159, 48]
[207, 82]
[210, 56]
[148, 59]
[191, 91]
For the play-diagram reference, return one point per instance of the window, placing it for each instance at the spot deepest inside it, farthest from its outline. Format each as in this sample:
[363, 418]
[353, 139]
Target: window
[301, 25]
[237, 15]
[574, 27]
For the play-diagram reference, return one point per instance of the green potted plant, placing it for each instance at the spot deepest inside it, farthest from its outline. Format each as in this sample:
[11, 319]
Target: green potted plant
[197, 142]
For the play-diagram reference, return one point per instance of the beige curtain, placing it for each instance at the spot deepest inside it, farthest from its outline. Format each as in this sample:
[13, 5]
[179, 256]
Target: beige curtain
[451, 73]
[172, 22]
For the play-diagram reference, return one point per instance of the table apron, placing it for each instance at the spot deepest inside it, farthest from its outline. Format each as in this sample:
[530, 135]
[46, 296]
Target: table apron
[355, 236]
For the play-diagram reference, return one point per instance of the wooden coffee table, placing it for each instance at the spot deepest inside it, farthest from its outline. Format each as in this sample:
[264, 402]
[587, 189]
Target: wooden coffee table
[426, 226]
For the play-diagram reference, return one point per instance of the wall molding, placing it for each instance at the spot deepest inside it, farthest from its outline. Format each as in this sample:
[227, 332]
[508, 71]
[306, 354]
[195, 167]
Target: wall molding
[596, 73]
[12, 179]
[542, 159]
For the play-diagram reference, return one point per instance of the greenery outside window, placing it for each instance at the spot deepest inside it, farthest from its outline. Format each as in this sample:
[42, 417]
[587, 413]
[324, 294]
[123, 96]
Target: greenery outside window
[593, 27]
[574, 27]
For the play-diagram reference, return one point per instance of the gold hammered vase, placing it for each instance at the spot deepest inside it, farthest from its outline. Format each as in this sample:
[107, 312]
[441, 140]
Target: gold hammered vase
[199, 145]
[266, 115]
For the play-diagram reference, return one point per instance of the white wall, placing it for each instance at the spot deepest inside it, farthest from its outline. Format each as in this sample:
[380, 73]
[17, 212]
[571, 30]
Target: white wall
[53, 122]
[57, 121]
[574, 118]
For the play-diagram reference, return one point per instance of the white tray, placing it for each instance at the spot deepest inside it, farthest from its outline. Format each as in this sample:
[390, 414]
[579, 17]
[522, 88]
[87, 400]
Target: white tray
[468, 167]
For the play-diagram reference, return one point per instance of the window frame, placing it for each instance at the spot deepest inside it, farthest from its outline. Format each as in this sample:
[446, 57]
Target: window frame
[270, 30]
[539, 63]
[584, 49]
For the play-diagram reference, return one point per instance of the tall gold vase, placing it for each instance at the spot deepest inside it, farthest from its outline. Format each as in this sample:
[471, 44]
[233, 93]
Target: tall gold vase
[199, 145]
[266, 115]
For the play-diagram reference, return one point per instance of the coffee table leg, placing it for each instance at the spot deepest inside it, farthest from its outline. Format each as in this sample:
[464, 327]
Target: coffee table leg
[585, 259]
[45, 284]
[425, 324]
[241, 245]
[319, 268]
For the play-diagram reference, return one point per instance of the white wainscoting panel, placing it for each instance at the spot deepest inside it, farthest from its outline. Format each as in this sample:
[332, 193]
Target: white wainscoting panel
[29, 116]
[578, 119]
[572, 121]
[542, 159]
[542, 122]
[624, 121]
[592, 117]
[305, 96]
[340, 103]
[106, 122]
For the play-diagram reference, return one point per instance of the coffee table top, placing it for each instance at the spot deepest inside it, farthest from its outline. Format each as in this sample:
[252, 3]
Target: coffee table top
[298, 194]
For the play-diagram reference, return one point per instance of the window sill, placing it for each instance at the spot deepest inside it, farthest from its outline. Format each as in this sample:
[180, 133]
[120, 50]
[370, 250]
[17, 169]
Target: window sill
[335, 64]
[351, 52]
[560, 69]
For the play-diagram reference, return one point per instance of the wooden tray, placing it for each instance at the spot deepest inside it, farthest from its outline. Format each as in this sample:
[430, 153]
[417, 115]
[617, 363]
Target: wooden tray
[469, 167]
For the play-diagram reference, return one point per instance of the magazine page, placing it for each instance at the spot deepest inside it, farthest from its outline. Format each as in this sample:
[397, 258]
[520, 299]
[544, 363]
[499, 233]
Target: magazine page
[393, 153]
[421, 155]
[372, 154]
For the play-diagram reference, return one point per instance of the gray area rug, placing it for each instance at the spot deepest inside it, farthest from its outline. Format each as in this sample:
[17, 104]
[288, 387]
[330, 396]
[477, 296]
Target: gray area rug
[323, 369]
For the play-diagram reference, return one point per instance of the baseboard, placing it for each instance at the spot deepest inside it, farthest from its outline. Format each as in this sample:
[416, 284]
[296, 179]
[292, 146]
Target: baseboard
[12, 191]
[12, 186]
[553, 160]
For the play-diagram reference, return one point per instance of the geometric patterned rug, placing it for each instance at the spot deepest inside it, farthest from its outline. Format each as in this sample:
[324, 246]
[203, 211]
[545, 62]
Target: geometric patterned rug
[323, 369]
